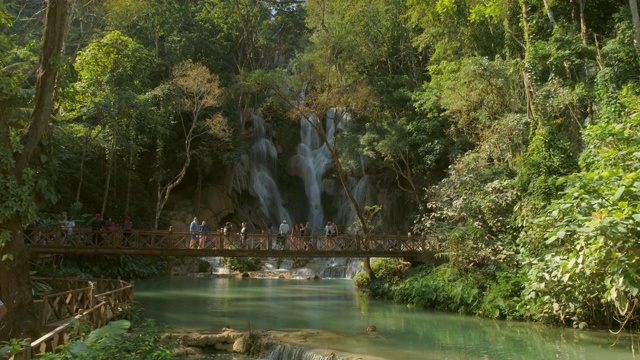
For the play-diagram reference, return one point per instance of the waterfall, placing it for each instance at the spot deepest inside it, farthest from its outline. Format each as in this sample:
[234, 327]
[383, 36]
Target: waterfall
[310, 163]
[257, 172]
[324, 196]
[286, 351]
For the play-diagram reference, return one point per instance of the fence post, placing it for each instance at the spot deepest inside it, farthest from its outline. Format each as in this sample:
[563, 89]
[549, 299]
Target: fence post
[27, 352]
[45, 304]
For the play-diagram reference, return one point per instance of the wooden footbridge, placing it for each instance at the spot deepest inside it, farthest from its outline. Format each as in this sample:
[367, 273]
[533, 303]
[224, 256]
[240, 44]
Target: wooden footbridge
[183, 243]
[69, 301]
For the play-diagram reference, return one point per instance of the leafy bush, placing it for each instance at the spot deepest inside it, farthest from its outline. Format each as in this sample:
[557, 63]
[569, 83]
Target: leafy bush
[117, 340]
[583, 249]
[443, 288]
[361, 280]
[503, 297]
[389, 270]
[126, 267]
[416, 290]
[243, 264]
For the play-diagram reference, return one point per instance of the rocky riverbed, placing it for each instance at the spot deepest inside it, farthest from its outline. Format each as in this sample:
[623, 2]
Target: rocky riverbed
[264, 344]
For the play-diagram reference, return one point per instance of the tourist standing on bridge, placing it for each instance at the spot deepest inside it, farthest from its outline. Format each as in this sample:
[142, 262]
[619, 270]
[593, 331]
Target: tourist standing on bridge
[330, 231]
[194, 229]
[127, 228]
[283, 231]
[68, 230]
[204, 230]
[295, 232]
[97, 227]
[3, 310]
[307, 236]
[243, 235]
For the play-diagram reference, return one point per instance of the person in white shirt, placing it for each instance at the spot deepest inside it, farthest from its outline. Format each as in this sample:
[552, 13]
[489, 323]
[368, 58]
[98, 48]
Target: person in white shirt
[282, 234]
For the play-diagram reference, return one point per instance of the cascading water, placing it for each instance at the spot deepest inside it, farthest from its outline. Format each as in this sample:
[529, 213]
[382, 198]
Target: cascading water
[258, 173]
[288, 351]
[310, 163]
[324, 196]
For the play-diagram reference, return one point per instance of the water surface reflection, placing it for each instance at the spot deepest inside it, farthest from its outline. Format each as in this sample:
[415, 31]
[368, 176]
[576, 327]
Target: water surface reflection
[335, 306]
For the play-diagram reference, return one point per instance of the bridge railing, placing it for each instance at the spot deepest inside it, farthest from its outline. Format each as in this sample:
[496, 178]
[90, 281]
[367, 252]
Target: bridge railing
[78, 304]
[165, 239]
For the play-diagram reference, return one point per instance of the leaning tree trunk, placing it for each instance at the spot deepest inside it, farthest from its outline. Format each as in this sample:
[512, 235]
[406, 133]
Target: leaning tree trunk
[15, 284]
[633, 4]
[198, 192]
[347, 189]
[107, 184]
[81, 170]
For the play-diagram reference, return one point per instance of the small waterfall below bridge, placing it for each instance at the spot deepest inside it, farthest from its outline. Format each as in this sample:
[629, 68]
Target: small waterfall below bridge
[288, 351]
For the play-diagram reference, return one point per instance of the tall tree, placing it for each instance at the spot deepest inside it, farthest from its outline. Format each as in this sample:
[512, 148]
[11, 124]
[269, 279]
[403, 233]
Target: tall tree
[111, 77]
[17, 145]
[201, 92]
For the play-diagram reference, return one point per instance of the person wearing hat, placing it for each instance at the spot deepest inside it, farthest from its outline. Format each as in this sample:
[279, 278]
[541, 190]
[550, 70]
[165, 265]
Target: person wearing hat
[282, 233]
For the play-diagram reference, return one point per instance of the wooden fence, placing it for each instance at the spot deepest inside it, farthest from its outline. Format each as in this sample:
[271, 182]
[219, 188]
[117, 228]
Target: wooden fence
[94, 301]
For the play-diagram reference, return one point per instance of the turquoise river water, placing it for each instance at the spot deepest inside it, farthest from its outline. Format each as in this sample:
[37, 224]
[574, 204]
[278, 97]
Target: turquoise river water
[335, 306]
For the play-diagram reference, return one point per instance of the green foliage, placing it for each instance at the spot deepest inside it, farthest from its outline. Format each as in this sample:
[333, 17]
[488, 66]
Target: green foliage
[586, 264]
[548, 157]
[12, 347]
[126, 267]
[389, 270]
[243, 264]
[444, 288]
[503, 297]
[361, 280]
[116, 341]
[620, 61]
[388, 273]
[474, 92]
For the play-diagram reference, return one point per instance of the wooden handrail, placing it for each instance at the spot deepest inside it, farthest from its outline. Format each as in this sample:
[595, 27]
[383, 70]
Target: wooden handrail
[262, 244]
[99, 310]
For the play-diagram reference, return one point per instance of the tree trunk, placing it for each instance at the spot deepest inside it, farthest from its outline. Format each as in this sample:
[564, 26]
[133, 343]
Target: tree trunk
[81, 174]
[108, 180]
[129, 175]
[15, 289]
[528, 86]
[347, 189]
[198, 192]
[636, 23]
[549, 13]
[15, 284]
[165, 191]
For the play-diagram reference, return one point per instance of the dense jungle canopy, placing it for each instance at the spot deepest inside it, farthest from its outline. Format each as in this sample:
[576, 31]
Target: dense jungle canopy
[505, 131]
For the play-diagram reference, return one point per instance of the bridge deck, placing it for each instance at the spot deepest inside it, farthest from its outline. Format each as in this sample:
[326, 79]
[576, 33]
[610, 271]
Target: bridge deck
[169, 243]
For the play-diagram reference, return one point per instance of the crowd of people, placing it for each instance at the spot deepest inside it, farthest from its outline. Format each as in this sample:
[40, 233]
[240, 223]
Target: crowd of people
[104, 230]
[296, 236]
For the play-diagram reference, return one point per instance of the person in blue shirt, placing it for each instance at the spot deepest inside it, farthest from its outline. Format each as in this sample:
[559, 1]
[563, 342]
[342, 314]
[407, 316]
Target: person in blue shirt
[194, 229]
[204, 230]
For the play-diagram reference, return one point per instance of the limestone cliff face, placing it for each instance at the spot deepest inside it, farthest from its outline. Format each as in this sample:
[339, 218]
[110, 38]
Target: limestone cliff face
[217, 203]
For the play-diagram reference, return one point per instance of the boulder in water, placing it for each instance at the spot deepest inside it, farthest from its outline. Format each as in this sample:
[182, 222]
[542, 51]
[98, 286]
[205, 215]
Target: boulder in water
[371, 328]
